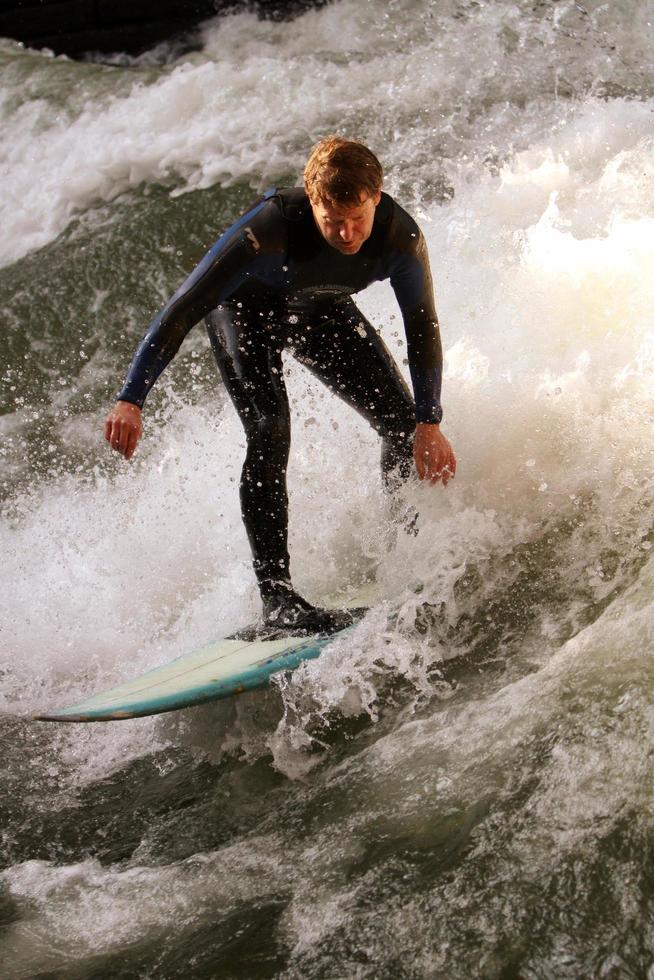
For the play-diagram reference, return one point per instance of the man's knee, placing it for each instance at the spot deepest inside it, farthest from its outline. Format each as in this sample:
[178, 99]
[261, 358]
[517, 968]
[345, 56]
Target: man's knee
[397, 457]
[397, 422]
[269, 436]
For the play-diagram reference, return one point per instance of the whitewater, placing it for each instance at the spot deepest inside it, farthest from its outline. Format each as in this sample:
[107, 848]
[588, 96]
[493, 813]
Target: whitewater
[464, 787]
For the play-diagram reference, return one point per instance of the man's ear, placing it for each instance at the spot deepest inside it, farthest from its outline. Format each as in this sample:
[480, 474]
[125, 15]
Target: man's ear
[377, 197]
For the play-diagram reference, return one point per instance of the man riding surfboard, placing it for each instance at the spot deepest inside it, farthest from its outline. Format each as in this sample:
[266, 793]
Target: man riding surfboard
[281, 277]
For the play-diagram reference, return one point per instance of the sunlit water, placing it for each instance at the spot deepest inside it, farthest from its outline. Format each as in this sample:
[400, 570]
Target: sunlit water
[464, 788]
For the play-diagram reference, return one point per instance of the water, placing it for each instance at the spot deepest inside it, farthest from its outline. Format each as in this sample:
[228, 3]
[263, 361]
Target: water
[465, 787]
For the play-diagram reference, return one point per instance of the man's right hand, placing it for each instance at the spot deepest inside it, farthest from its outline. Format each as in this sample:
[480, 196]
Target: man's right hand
[123, 428]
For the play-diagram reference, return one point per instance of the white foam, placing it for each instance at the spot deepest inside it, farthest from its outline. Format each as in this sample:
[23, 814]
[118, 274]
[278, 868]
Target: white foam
[92, 909]
[583, 723]
[589, 774]
[249, 105]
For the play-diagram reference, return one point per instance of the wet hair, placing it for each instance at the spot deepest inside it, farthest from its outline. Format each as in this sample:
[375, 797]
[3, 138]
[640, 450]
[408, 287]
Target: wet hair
[342, 172]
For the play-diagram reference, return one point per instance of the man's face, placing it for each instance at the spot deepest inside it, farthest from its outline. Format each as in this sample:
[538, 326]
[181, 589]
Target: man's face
[346, 228]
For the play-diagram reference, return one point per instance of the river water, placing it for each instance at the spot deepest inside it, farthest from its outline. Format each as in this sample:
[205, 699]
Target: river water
[465, 788]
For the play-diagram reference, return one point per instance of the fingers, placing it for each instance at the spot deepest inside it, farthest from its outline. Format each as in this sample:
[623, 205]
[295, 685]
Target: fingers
[446, 471]
[432, 468]
[132, 441]
[444, 475]
[441, 474]
[122, 435]
[114, 436]
[435, 461]
[436, 465]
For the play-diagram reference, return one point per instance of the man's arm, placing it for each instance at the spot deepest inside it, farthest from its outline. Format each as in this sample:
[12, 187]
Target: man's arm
[232, 259]
[412, 283]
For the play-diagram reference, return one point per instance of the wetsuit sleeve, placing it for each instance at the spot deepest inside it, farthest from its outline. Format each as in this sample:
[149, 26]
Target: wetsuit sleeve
[236, 256]
[412, 284]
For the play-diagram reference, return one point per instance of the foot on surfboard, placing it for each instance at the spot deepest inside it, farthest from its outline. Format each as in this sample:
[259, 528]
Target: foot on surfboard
[287, 611]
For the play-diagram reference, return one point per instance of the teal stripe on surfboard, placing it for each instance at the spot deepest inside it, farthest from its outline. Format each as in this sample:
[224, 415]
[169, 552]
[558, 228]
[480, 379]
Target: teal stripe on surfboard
[216, 671]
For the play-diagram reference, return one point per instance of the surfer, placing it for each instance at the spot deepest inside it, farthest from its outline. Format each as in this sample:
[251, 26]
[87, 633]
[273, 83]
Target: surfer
[281, 278]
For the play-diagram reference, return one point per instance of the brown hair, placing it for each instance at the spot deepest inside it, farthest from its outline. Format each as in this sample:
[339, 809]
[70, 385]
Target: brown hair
[342, 172]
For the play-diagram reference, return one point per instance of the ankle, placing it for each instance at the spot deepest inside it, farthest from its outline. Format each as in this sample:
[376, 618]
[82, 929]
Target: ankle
[276, 590]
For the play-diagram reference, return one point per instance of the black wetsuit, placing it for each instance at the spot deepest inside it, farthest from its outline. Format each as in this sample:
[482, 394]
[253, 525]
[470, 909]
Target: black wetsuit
[273, 282]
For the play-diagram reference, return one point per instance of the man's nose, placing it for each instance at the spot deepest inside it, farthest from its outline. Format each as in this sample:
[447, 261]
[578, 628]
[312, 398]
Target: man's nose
[347, 231]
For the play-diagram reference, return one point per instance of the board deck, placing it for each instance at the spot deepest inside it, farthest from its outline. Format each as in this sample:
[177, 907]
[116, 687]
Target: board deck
[216, 671]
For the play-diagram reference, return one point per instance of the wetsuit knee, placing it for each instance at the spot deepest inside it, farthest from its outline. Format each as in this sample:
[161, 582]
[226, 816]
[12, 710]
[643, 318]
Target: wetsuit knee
[269, 435]
[264, 499]
[397, 459]
[397, 431]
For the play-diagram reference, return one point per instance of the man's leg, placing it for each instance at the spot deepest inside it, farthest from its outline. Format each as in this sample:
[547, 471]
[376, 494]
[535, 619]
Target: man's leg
[248, 349]
[345, 351]
[248, 355]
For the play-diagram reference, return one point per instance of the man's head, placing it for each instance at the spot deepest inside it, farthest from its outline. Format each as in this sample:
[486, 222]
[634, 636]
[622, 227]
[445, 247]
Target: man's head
[343, 180]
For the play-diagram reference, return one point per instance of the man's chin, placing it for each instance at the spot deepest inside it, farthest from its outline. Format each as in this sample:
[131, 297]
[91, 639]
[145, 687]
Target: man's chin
[348, 249]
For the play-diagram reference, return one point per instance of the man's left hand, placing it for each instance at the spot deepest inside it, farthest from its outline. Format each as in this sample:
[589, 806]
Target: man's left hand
[433, 455]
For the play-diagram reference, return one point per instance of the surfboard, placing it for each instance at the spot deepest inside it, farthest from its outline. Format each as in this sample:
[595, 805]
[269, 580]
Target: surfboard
[216, 671]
